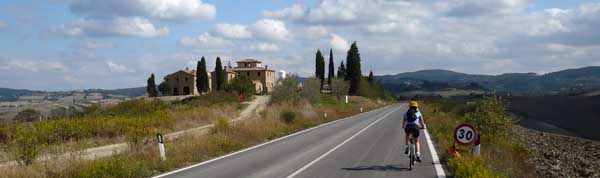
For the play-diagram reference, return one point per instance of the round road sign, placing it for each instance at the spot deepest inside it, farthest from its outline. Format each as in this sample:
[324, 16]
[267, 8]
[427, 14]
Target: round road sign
[465, 134]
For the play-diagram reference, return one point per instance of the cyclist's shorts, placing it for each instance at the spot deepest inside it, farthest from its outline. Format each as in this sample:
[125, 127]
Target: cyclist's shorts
[412, 129]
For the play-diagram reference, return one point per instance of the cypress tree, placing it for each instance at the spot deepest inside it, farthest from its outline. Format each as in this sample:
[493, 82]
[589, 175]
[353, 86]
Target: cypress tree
[202, 76]
[331, 68]
[219, 75]
[151, 87]
[341, 73]
[320, 67]
[353, 67]
[371, 77]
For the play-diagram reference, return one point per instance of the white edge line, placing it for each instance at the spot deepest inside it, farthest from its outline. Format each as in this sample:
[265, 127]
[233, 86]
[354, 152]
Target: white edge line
[338, 146]
[262, 144]
[436, 161]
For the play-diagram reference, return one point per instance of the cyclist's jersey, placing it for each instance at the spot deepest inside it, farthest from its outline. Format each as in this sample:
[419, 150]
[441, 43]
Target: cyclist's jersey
[416, 121]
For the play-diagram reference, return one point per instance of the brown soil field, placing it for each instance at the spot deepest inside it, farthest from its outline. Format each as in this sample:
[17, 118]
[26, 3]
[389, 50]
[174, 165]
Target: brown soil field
[579, 115]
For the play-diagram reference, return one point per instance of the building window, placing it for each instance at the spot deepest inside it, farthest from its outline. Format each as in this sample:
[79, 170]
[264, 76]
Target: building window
[248, 73]
[185, 79]
[259, 74]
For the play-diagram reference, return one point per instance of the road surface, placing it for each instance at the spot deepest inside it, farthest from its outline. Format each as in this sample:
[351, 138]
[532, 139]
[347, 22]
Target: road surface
[366, 145]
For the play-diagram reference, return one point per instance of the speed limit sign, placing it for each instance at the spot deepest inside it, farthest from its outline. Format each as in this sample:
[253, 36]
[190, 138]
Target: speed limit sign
[465, 134]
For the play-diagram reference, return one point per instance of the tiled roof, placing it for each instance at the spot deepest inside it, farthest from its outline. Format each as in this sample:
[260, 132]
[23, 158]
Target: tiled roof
[192, 72]
[251, 69]
[248, 61]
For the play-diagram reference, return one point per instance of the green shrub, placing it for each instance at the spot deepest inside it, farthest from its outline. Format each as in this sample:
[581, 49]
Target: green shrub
[469, 167]
[370, 89]
[288, 117]
[26, 144]
[311, 90]
[339, 88]
[118, 166]
[327, 99]
[221, 125]
[211, 98]
[136, 107]
[28, 115]
[490, 117]
[241, 85]
[286, 90]
[137, 135]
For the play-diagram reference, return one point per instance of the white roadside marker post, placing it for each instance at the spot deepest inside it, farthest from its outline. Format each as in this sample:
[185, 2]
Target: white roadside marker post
[325, 115]
[477, 146]
[161, 147]
[361, 109]
[346, 99]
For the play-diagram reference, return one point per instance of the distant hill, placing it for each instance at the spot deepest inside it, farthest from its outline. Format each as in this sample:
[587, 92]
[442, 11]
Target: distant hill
[8, 94]
[130, 92]
[565, 81]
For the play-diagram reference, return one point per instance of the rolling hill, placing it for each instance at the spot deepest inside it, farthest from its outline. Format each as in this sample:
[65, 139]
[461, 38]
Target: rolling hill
[565, 81]
[8, 94]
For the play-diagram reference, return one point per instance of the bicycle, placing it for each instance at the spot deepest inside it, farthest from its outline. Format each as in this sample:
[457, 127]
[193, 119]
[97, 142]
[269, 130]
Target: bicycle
[412, 150]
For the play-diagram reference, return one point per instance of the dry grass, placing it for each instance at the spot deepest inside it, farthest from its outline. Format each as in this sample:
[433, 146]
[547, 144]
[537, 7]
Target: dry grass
[144, 162]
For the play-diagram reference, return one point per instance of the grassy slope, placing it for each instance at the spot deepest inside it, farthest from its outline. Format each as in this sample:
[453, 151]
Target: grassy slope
[143, 160]
[500, 157]
[132, 121]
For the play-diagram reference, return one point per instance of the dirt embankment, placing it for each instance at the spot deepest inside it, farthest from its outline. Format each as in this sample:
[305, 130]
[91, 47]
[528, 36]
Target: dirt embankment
[561, 156]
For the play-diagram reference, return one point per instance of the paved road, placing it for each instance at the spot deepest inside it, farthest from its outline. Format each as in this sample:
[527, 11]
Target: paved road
[365, 145]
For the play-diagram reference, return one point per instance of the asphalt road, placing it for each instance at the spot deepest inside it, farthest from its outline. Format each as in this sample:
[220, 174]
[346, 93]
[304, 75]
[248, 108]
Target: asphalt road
[366, 145]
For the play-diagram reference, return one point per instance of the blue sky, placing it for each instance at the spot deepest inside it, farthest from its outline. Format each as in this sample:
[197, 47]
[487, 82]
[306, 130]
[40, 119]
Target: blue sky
[73, 44]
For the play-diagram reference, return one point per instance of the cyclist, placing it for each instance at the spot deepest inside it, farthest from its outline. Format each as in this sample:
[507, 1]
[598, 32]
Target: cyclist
[413, 121]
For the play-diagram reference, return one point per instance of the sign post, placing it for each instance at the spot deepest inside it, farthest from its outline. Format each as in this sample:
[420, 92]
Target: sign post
[161, 147]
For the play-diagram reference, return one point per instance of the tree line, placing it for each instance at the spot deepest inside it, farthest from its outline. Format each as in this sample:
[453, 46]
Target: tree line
[350, 72]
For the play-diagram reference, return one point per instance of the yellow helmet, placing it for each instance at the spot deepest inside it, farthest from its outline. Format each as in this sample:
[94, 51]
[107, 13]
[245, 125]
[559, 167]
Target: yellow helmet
[413, 104]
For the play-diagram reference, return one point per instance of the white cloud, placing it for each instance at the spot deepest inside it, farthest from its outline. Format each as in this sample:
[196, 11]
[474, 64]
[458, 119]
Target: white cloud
[120, 26]
[547, 22]
[235, 31]
[114, 67]
[205, 40]
[326, 11]
[271, 30]
[32, 65]
[478, 8]
[96, 44]
[175, 10]
[338, 43]
[263, 47]
[70, 79]
[316, 32]
[294, 12]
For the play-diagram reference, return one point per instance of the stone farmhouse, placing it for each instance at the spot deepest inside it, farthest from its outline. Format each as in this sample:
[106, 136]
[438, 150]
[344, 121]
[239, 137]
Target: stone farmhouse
[183, 82]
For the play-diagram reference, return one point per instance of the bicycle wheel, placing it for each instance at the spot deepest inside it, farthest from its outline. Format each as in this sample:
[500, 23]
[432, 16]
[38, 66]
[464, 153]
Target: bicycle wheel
[411, 156]
[410, 163]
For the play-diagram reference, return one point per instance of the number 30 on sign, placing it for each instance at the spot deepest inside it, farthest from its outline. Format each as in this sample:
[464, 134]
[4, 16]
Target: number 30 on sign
[465, 134]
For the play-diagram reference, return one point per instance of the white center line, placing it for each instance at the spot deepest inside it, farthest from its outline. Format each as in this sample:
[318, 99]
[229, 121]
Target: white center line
[338, 146]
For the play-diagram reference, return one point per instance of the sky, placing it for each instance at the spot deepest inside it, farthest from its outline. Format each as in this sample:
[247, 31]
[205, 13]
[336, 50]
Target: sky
[78, 44]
